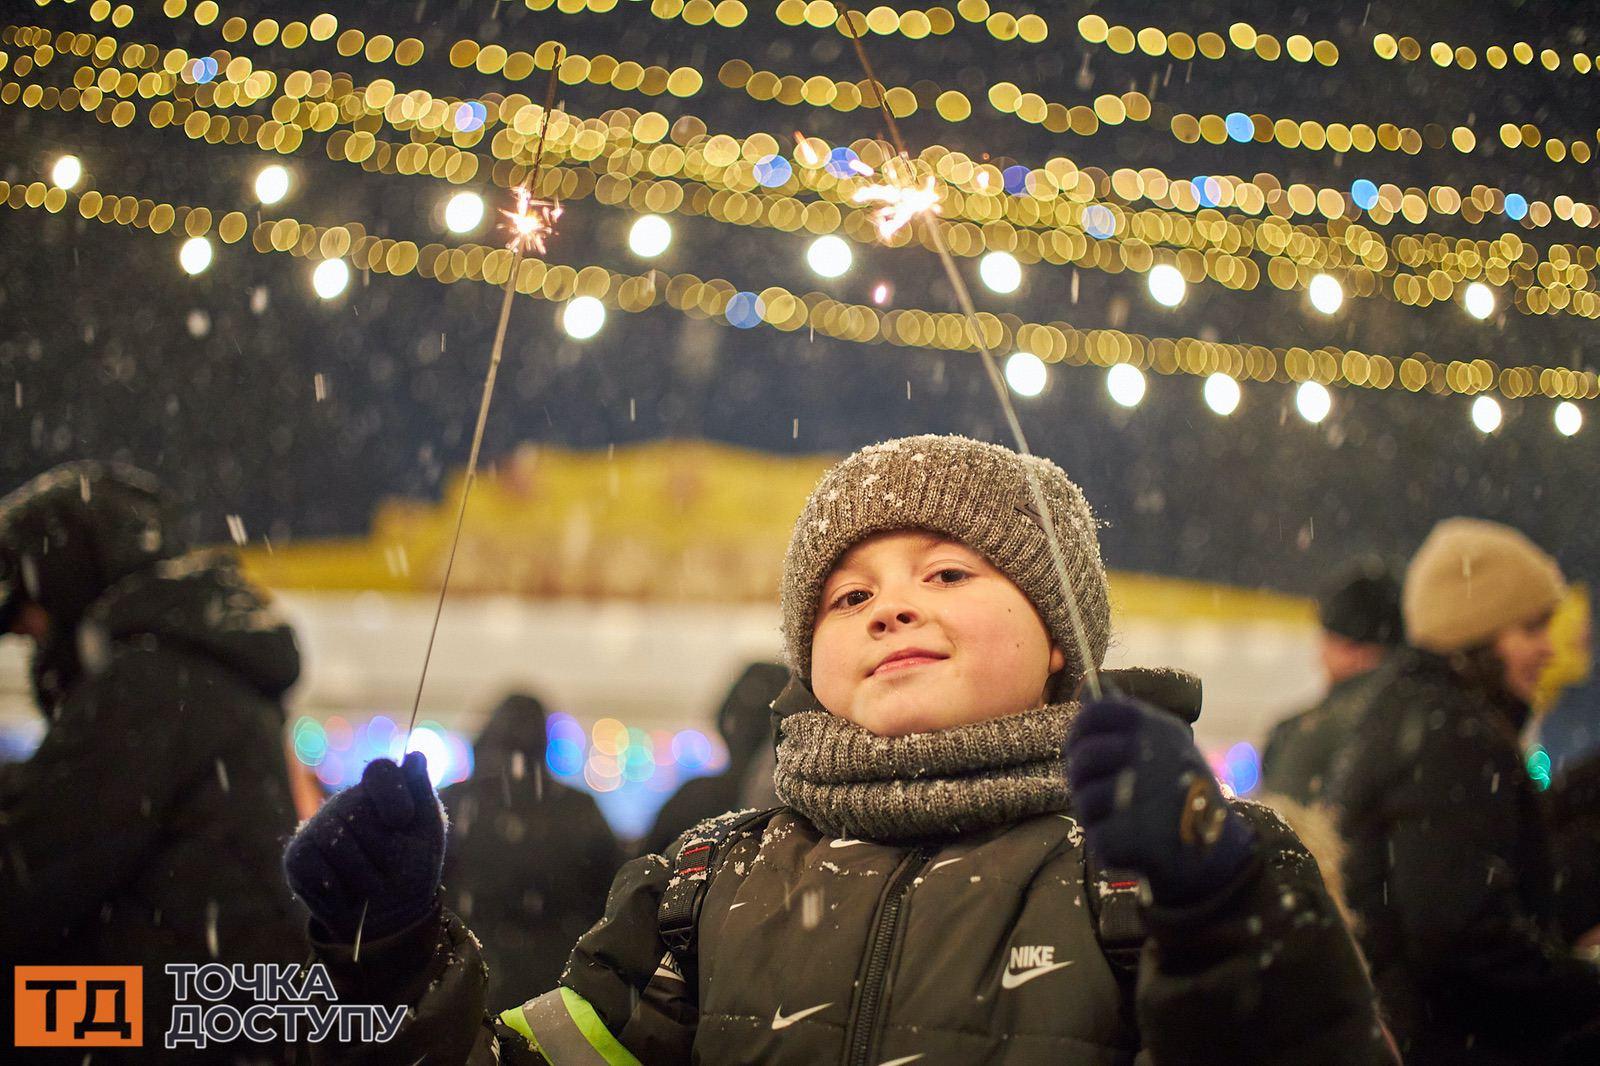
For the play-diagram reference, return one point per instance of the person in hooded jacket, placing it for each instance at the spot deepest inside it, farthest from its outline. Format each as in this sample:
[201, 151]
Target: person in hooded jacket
[1449, 866]
[147, 827]
[1360, 617]
[745, 722]
[506, 820]
[936, 887]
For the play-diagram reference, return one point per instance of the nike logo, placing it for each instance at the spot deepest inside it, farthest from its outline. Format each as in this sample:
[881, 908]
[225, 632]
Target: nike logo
[902, 1061]
[779, 1021]
[1012, 978]
[736, 906]
[662, 971]
[943, 862]
[843, 843]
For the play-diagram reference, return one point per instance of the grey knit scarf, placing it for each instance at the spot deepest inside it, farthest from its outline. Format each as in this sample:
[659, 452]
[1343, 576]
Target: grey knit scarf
[923, 786]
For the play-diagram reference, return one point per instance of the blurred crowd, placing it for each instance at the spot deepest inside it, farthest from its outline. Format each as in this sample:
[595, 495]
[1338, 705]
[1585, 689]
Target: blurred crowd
[150, 823]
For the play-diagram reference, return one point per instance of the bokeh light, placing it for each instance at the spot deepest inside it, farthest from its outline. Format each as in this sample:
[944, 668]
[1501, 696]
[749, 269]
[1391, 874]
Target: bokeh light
[331, 278]
[1568, 418]
[1000, 271]
[1486, 414]
[1313, 401]
[745, 310]
[582, 317]
[1221, 394]
[1166, 284]
[1099, 222]
[773, 171]
[272, 183]
[67, 172]
[463, 212]
[1479, 300]
[1327, 295]
[1126, 384]
[1025, 373]
[195, 255]
[1364, 194]
[649, 236]
[829, 256]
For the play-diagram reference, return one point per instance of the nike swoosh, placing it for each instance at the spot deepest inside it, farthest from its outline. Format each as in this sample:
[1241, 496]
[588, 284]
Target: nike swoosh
[662, 971]
[843, 843]
[903, 1061]
[943, 862]
[736, 906]
[1012, 980]
[780, 1022]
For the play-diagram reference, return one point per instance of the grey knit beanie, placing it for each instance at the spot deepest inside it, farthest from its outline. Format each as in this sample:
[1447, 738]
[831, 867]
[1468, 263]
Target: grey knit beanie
[969, 490]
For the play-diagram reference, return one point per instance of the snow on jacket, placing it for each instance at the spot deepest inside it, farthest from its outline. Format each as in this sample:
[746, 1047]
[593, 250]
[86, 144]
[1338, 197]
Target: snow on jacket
[816, 949]
[1450, 872]
[148, 826]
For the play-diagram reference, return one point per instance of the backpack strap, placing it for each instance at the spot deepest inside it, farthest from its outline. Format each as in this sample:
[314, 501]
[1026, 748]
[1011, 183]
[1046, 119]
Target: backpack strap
[678, 915]
[1114, 902]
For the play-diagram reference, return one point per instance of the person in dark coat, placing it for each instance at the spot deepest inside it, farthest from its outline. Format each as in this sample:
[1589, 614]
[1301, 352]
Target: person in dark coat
[1361, 625]
[745, 722]
[146, 828]
[506, 822]
[1449, 866]
[926, 892]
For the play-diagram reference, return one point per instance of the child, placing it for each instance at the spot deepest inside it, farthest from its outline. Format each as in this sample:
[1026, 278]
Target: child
[926, 895]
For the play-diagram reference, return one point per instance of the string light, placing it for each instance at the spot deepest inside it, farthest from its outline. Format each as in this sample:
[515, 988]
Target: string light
[330, 278]
[582, 317]
[67, 172]
[1568, 418]
[1166, 285]
[1026, 374]
[1327, 295]
[463, 212]
[649, 236]
[1486, 414]
[1479, 300]
[1221, 394]
[1125, 384]
[194, 255]
[829, 256]
[1313, 402]
[272, 183]
[1001, 272]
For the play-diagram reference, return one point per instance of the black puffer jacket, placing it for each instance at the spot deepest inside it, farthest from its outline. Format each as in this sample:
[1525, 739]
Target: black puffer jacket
[1450, 871]
[815, 949]
[1301, 752]
[506, 823]
[148, 826]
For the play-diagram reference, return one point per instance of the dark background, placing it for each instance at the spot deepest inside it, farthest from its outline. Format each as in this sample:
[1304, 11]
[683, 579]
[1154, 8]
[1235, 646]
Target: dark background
[97, 357]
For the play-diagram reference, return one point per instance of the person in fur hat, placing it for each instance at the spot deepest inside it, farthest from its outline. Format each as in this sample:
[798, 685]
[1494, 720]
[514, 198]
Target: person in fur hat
[969, 865]
[1449, 867]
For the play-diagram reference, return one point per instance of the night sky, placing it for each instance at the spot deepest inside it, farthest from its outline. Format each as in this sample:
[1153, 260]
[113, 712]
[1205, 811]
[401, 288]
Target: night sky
[108, 350]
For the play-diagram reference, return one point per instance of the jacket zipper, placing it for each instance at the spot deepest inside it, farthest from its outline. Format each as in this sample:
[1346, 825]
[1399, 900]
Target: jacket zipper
[864, 1020]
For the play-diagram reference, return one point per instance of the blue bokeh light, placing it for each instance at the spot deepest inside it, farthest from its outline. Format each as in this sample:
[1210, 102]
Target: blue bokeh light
[1207, 191]
[1516, 206]
[1364, 193]
[773, 171]
[744, 310]
[1099, 222]
[1016, 179]
[1239, 126]
[842, 163]
[471, 116]
[1243, 768]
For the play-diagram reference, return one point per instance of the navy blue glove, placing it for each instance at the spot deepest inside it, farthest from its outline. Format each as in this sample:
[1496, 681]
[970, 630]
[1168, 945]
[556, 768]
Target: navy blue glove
[1150, 804]
[371, 859]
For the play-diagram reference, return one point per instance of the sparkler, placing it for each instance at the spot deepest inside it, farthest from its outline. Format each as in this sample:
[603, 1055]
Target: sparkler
[902, 201]
[531, 225]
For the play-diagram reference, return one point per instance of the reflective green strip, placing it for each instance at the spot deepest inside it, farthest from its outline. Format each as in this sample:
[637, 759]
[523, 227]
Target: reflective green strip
[564, 1028]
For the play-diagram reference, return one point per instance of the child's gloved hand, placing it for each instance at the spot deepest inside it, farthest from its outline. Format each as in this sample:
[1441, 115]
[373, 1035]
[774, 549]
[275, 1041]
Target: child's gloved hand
[1149, 802]
[376, 847]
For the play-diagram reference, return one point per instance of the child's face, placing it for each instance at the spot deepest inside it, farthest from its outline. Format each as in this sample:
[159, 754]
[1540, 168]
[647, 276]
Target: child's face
[916, 632]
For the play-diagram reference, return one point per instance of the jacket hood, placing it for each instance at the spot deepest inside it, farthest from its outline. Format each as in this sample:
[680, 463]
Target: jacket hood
[515, 727]
[199, 603]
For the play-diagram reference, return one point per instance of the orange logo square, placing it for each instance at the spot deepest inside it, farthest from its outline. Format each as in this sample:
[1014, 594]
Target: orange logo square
[79, 1006]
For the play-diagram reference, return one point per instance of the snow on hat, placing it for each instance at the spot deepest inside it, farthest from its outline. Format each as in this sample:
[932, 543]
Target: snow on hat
[1471, 579]
[974, 492]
